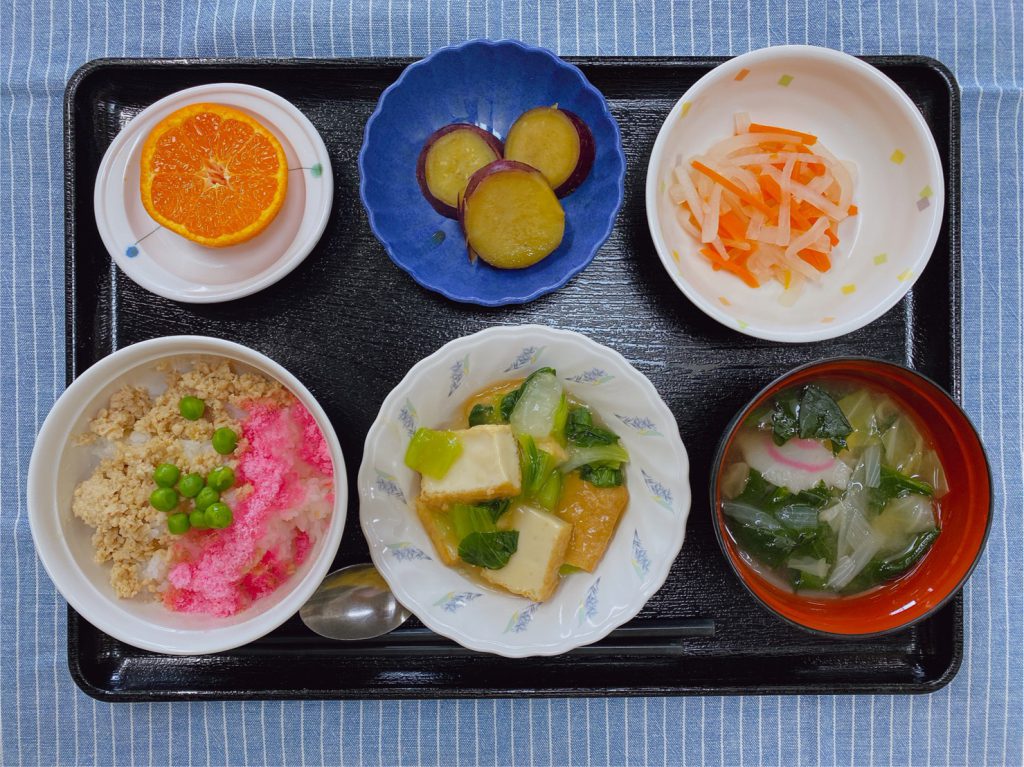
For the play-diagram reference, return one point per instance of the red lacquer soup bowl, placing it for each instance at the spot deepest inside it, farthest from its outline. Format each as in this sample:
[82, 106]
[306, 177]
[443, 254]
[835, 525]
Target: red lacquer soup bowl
[965, 512]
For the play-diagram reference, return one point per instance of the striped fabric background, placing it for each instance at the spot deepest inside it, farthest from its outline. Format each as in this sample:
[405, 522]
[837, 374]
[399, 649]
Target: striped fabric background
[45, 720]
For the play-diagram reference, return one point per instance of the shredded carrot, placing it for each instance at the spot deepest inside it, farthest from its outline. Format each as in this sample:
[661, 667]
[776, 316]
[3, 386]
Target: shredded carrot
[806, 138]
[816, 259]
[732, 186]
[732, 225]
[852, 210]
[770, 187]
[740, 271]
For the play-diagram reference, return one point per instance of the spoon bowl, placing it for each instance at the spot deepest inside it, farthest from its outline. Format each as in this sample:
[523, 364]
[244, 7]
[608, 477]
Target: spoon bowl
[353, 603]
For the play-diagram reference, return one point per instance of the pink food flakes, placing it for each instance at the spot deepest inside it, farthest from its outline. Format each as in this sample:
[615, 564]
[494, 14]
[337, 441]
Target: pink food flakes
[224, 571]
[314, 447]
[303, 543]
[265, 576]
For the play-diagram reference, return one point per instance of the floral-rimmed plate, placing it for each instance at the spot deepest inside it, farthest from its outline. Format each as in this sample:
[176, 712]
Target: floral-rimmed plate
[586, 607]
[171, 266]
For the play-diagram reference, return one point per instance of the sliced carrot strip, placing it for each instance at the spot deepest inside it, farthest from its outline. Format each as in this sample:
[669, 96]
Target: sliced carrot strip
[770, 187]
[816, 167]
[852, 210]
[816, 259]
[740, 271]
[733, 227]
[807, 138]
[733, 187]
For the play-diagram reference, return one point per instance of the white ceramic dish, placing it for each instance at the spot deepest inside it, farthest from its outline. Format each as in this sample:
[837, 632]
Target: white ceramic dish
[170, 265]
[860, 115]
[64, 542]
[586, 607]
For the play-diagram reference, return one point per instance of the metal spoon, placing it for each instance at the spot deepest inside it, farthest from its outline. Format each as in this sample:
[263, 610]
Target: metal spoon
[353, 603]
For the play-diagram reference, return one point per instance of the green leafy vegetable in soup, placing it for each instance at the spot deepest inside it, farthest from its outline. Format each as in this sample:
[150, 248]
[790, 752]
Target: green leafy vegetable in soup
[834, 489]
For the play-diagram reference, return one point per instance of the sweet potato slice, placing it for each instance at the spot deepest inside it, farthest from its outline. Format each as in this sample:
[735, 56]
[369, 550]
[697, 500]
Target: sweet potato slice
[594, 513]
[510, 216]
[554, 141]
[450, 156]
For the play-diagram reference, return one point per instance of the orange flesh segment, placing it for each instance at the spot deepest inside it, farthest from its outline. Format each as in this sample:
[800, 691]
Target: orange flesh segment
[213, 175]
[512, 219]
[544, 138]
[451, 160]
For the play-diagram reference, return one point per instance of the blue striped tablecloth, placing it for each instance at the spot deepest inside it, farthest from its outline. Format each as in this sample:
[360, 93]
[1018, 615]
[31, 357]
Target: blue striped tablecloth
[46, 720]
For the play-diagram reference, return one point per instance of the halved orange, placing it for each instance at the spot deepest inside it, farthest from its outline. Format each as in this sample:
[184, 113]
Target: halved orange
[213, 174]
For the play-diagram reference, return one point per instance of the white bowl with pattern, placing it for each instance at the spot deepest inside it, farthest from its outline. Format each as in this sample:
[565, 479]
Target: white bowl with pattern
[586, 606]
[859, 115]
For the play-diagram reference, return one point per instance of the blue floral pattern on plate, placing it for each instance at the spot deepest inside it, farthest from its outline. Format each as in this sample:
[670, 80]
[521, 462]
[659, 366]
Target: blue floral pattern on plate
[528, 356]
[641, 562]
[488, 84]
[520, 620]
[594, 376]
[404, 551]
[645, 427]
[407, 417]
[588, 605]
[454, 601]
[658, 491]
[387, 484]
[457, 374]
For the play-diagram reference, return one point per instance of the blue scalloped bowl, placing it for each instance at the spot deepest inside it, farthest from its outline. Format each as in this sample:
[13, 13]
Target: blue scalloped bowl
[489, 84]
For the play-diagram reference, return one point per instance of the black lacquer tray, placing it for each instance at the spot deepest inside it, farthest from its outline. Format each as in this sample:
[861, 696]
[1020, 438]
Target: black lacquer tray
[350, 324]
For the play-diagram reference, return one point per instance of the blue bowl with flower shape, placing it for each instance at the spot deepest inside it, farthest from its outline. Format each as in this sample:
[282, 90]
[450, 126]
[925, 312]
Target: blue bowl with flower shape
[488, 84]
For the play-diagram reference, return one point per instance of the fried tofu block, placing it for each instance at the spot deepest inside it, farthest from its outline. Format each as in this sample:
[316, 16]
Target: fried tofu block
[438, 524]
[533, 570]
[487, 468]
[593, 513]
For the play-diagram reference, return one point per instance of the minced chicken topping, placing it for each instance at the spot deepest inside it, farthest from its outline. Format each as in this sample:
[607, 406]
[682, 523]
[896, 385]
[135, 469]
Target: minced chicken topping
[136, 432]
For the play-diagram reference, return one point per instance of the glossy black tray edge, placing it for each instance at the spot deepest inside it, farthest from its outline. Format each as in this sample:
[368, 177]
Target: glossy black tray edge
[954, 609]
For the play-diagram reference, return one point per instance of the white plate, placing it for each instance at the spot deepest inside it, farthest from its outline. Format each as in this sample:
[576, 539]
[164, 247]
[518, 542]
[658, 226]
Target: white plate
[64, 542]
[859, 115]
[586, 607]
[170, 265]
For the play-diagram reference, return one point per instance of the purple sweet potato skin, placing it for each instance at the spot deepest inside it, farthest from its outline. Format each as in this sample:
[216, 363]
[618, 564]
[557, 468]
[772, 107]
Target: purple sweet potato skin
[586, 158]
[441, 207]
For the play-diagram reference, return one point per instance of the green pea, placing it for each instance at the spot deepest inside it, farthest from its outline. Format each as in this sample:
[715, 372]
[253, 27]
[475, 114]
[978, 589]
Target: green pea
[219, 516]
[166, 474]
[191, 484]
[164, 498]
[198, 520]
[206, 497]
[224, 440]
[221, 478]
[191, 408]
[178, 523]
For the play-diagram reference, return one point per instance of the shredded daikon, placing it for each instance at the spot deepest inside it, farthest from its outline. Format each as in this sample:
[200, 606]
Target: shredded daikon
[765, 204]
